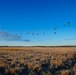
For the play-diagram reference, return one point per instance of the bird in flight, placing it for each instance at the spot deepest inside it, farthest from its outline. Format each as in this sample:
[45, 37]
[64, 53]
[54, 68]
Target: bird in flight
[32, 33]
[54, 32]
[37, 34]
[43, 33]
[55, 28]
[68, 23]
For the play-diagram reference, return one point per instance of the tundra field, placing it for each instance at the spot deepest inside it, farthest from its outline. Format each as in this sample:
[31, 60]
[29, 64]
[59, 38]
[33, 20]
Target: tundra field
[37, 60]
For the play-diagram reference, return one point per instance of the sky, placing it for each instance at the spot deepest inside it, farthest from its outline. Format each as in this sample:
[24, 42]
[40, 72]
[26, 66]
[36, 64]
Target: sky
[37, 22]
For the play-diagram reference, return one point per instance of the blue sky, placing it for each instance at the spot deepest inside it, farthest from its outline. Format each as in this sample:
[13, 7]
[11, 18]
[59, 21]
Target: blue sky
[33, 22]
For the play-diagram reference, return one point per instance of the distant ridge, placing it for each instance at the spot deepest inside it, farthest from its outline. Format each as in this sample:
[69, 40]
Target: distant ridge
[43, 46]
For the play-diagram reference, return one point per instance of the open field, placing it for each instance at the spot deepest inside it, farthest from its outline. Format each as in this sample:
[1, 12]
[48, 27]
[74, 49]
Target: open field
[37, 60]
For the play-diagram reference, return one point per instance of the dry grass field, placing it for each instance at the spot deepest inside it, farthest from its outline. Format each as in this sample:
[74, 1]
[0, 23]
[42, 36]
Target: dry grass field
[37, 60]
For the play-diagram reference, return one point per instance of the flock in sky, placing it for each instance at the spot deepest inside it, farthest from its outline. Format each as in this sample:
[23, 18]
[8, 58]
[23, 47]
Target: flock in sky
[43, 33]
[18, 36]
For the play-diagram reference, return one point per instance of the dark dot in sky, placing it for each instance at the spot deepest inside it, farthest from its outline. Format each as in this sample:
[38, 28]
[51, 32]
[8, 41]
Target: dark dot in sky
[37, 34]
[32, 33]
[54, 32]
[55, 28]
[75, 26]
[43, 33]
[68, 22]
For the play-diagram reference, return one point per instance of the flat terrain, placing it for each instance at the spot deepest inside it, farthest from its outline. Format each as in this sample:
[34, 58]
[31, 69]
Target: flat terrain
[37, 60]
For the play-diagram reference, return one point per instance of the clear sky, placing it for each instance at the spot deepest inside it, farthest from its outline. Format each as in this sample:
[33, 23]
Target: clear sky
[37, 22]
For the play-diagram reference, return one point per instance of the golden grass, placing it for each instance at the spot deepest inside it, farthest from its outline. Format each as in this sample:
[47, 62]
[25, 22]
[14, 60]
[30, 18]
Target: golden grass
[42, 60]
